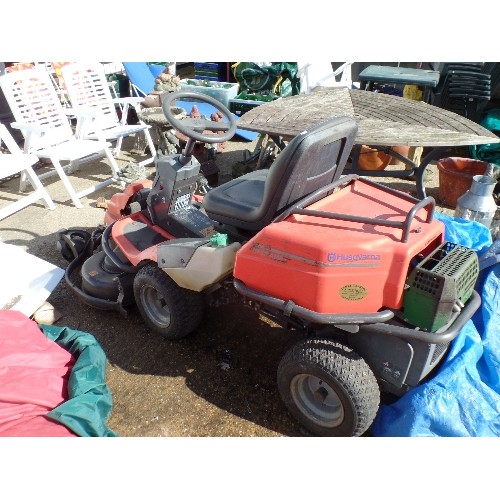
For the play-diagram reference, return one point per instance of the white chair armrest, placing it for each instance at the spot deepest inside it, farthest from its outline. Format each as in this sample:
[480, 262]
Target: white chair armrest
[133, 101]
[82, 112]
[30, 128]
[83, 115]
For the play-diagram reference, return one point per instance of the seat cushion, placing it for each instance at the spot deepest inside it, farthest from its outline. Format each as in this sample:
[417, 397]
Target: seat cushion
[238, 202]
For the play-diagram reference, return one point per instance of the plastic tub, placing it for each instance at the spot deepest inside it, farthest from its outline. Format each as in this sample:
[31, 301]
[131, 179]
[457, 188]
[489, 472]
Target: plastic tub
[222, 91]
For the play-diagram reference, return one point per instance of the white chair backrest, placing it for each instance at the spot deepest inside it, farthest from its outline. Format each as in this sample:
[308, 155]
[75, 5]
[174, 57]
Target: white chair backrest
[87, 87]
[321, 74]
[33, 100]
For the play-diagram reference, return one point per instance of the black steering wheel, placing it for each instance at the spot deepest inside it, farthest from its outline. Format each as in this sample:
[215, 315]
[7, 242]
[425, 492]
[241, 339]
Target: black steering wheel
[193, 127]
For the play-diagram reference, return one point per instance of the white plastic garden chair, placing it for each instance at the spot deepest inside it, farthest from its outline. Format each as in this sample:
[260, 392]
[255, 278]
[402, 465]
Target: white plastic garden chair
[321, 74]
[15, 162]
[39, 115]
[89, 91]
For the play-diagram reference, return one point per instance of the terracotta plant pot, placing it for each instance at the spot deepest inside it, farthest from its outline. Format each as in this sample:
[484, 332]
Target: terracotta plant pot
[455, 177]
[373, 159]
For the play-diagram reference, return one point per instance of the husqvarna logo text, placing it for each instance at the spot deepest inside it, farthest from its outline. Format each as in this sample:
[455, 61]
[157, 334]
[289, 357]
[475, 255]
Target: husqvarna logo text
[334, 257]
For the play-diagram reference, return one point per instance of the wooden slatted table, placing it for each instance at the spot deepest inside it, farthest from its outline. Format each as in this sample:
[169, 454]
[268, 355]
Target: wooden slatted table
[383, 121]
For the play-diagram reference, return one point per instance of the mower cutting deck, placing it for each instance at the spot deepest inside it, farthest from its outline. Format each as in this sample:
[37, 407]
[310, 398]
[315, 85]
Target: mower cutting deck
[362, 269]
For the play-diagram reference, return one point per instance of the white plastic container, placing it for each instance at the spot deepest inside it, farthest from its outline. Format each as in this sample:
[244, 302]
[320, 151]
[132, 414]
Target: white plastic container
[207, 266]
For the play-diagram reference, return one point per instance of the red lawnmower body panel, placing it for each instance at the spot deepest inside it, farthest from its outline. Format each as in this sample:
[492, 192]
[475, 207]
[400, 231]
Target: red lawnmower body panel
[335, 266]
[119, 201]
[130, 224]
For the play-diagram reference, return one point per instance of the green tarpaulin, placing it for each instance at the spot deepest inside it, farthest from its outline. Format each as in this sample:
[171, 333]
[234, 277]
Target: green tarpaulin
[87, 410]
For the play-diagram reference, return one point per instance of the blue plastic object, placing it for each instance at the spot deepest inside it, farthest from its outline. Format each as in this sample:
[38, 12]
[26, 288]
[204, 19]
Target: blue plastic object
[156, 69]
[140, 77]
[463, 397]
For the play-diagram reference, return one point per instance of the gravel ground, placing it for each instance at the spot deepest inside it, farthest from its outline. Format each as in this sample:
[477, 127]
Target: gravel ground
[219, 381]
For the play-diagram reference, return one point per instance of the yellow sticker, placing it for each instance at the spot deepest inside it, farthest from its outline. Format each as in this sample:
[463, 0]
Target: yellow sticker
[353, 292]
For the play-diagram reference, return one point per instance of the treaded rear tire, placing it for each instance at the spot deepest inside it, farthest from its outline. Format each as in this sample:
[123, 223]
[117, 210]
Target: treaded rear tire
[166, 308]
[328, 388]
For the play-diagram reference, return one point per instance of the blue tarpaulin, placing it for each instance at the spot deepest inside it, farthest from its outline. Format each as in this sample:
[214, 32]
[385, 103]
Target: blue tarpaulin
[463, 397]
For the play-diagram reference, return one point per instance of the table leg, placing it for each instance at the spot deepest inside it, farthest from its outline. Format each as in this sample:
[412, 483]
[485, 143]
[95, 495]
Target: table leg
[366, 85]
[249, 156]
[415, 170]
[434, 154]
[272, 145]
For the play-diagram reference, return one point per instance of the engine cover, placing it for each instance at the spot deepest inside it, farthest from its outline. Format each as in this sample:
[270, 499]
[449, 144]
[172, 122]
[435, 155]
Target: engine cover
[331, 265]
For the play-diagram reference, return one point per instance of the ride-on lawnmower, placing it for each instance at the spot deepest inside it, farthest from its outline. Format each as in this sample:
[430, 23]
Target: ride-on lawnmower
[361, 269]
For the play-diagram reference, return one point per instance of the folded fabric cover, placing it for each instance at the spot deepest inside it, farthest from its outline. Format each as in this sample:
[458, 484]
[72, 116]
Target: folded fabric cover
[52, 380]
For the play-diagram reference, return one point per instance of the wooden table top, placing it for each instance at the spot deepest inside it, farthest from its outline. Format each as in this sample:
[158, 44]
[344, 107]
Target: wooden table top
[383, 120]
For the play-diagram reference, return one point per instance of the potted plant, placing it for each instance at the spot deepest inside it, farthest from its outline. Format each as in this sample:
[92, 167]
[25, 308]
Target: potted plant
[165, 83]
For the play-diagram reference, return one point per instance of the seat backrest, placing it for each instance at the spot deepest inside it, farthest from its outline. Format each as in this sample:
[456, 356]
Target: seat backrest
[87, 87]
[141, 78]
[310, 161]
[33, 100]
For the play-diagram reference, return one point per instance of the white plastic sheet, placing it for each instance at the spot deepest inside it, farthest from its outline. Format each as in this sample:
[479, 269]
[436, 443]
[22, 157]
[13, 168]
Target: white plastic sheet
[26, 280]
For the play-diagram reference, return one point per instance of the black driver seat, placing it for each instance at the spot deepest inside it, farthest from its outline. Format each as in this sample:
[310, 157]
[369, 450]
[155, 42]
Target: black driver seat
[310, 161]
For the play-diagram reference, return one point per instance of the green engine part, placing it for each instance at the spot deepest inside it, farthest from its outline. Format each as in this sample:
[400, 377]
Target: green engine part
[218, 240]
[439, 286]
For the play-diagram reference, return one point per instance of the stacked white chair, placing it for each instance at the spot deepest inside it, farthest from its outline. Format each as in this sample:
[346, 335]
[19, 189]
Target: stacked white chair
[14, 162]
[47, 133]
[89, 92]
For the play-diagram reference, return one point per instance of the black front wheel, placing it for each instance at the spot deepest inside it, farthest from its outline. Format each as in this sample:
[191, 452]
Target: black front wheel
[166, 308]
[328, 388]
